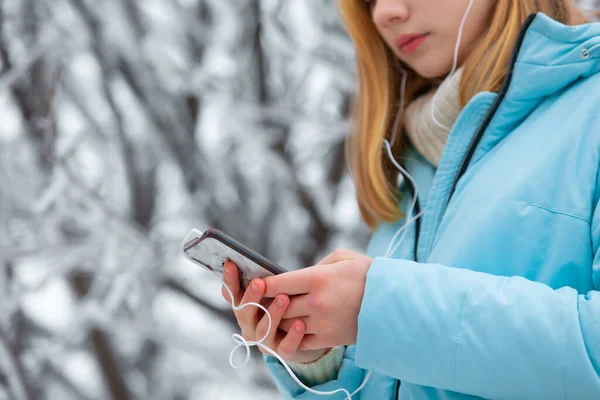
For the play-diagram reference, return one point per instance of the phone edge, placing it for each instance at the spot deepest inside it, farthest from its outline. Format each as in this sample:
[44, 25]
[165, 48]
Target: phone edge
[227, 240]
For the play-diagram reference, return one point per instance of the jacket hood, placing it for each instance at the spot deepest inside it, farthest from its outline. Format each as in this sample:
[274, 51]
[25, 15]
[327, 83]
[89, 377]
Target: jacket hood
[555, 54]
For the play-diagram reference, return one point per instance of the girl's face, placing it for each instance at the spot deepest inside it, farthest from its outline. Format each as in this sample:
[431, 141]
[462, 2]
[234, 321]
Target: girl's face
[423, 33]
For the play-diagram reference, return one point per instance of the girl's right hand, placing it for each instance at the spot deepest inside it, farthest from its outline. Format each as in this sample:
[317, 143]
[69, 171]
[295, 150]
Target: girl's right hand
[254, 322]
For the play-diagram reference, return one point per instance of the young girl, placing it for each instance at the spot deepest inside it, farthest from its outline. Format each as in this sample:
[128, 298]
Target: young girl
[481, 279]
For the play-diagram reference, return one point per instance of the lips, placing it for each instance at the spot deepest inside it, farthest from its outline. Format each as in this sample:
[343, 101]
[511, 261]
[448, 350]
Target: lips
[409, 43]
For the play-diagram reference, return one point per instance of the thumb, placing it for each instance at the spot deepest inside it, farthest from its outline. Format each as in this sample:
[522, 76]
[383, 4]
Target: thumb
[337, 256]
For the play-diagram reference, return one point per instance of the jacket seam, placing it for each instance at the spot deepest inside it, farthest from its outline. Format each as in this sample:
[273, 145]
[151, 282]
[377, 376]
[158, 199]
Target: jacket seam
[457, 337]
[550, 210]
[566, 363]
[559, 65]
[597, 146]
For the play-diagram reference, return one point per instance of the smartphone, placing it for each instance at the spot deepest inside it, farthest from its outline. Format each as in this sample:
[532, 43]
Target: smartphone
[210, 250]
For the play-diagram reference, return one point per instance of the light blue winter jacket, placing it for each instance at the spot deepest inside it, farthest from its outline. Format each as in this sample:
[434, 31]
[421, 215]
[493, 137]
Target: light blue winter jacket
[503, 302]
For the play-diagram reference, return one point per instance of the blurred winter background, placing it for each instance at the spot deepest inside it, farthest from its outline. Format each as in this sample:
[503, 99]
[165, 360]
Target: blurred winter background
[126, 123]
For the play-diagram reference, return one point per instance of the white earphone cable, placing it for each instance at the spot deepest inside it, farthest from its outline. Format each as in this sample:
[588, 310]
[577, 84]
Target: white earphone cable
[454, 65]
[241, 342]
[388, 146]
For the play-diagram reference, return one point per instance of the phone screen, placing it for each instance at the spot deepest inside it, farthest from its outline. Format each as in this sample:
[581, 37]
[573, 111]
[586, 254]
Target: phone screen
[212, 248]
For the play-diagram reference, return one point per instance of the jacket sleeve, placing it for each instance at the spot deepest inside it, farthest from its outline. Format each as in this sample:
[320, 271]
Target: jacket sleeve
[349, 377]
[480, 334]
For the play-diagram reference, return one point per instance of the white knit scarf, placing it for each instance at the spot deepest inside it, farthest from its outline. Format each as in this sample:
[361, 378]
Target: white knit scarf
[427, 137]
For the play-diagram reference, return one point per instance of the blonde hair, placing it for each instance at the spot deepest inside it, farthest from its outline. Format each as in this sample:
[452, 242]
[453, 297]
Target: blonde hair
[379, 84]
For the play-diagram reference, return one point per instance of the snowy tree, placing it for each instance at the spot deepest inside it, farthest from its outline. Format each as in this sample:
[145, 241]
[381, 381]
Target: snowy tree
[127, 123]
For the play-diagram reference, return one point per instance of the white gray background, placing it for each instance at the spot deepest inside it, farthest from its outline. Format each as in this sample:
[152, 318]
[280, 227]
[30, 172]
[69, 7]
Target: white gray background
[126, 123]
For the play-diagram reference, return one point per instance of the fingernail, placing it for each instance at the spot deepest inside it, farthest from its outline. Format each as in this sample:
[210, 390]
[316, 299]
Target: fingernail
[298, 328]
[280, 303]
[254, 288]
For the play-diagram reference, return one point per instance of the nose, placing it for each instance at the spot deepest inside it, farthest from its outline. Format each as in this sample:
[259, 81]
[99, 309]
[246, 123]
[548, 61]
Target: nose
[387, 12]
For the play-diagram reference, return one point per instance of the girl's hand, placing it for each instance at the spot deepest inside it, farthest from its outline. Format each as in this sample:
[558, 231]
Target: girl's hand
[326, 297]
[254, 322]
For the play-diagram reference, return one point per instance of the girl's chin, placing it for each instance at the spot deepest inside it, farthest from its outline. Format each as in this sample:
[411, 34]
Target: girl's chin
[429, 71]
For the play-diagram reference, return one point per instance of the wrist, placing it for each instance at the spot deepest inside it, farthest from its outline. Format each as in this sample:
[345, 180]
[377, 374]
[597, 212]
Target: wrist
[321, 370]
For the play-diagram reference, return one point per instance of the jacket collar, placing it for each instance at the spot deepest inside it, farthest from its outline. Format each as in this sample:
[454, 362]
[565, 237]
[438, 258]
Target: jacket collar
[551, 56]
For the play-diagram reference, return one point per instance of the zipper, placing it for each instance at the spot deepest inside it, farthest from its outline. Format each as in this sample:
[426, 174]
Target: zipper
[417, 210]
[495, 106]
[474, 142]
[397, 388]
[412, 191]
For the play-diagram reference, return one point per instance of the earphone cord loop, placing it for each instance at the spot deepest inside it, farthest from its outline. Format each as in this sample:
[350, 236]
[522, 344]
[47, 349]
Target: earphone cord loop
[241, 342]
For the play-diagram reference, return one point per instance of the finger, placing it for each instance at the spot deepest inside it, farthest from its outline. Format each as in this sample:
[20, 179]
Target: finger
[248, 316]
[299, 307]
[231, 279]
[276, 311]
[266, 302]
[287, 324]
[290, 283]
[312, 342]
[336, 256]
[289, 345]
[225, 294]
[279, 335]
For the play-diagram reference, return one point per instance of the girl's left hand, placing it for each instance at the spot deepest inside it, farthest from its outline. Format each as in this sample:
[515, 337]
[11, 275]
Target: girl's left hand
[326, 297]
